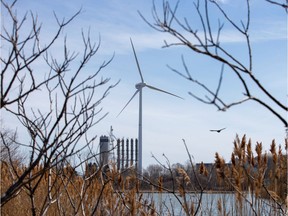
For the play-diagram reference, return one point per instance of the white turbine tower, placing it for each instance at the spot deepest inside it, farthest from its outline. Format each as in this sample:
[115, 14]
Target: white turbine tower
[139, 87]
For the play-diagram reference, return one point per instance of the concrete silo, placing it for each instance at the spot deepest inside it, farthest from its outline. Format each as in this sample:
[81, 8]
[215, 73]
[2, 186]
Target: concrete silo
[104, 150]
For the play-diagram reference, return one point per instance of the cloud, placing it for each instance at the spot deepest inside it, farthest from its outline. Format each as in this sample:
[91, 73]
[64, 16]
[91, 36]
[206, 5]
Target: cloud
[222, 1]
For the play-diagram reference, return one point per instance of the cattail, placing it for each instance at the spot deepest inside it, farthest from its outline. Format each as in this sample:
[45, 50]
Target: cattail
[219, 206]
[243, 142]
[265, 159]
[273, 152]
[242, 150]
[192, 210]
[252, 161]
[203, 170]
[185, 176]
[233, 159]
[237, 149]
[273, 147]
[280, 151]
[160, 184]
[181, 191]
[249, 152]
[277, 173]
[219, 161]
[258, 149]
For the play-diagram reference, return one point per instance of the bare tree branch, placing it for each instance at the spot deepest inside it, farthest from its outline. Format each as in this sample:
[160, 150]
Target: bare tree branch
[284, 5]
[207, 41]
[59, 132]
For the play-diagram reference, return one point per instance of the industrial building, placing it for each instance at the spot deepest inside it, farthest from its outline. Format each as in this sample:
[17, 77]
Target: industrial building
[126, 153]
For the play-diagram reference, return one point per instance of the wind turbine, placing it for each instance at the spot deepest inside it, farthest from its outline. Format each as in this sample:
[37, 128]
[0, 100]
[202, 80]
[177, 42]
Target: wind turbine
[139, 87]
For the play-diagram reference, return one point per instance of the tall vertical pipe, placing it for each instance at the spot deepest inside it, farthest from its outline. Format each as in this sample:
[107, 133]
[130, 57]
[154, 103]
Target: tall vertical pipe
[131, 152]
[122, 156]
[118, 154]
[127, 153]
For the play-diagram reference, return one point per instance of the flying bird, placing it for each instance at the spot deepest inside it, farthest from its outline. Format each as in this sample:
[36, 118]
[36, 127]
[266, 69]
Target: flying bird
[218, 131]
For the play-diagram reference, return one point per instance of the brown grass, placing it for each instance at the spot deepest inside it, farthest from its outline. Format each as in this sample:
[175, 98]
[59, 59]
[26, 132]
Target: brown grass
[63, 192]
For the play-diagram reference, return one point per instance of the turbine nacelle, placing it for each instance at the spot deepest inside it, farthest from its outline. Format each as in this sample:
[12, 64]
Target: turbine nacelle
[140, 85]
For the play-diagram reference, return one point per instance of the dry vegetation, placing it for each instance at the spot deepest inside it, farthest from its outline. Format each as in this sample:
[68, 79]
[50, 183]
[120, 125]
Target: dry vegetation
[48, 182]
[258, 181]
[63, 192]
[255, 178]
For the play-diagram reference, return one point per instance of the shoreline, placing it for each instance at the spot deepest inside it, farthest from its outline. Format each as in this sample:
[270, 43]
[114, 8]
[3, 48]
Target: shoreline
[187, 192]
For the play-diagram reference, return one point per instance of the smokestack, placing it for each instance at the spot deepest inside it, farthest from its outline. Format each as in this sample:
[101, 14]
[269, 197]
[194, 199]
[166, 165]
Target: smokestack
[118, 154]
[122, 156]
[131, 152]
[127, 153]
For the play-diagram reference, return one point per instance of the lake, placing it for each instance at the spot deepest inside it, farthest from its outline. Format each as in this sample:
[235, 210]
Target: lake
[211, 204]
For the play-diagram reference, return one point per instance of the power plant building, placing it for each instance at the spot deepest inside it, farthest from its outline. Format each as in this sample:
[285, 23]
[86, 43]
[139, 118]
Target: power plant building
[126, 153]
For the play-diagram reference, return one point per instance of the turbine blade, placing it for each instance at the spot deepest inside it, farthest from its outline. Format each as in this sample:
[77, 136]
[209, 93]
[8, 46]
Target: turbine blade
[142, 79]
[128, 102]
[157, 89]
